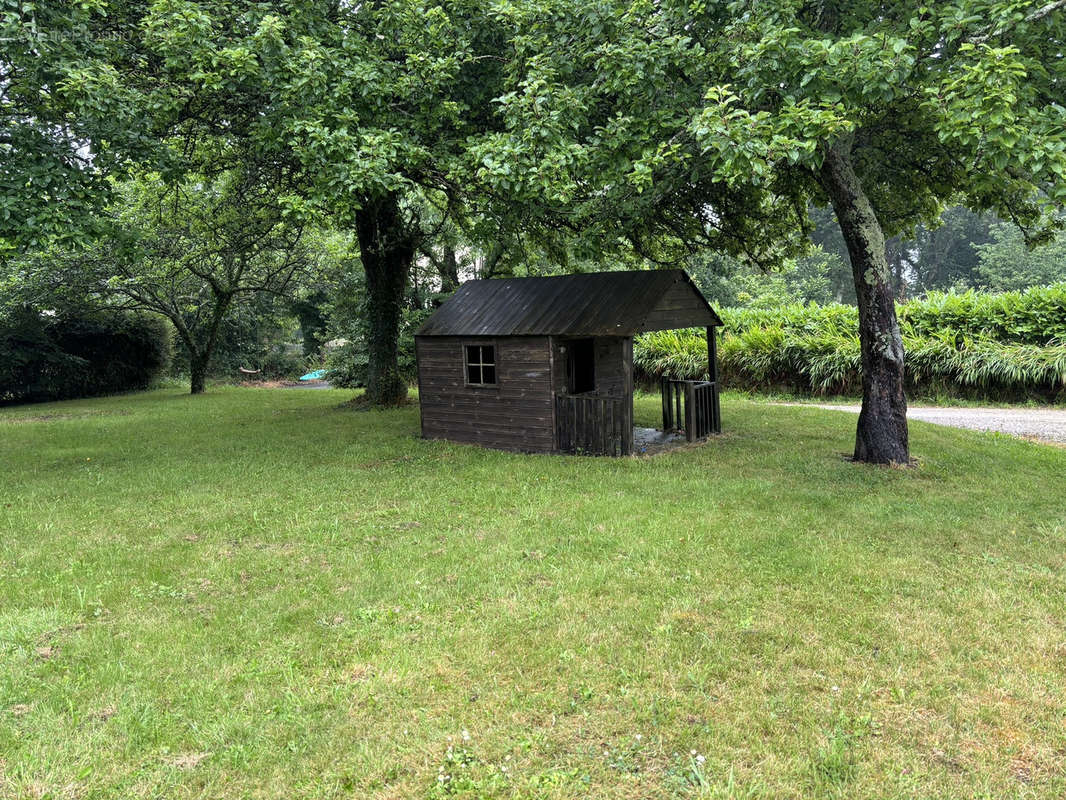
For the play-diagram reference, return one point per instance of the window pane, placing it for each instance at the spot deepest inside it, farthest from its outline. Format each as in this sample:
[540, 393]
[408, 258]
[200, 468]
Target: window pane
[488, 374]
[472, 354]
[473, 374]
[488, 356]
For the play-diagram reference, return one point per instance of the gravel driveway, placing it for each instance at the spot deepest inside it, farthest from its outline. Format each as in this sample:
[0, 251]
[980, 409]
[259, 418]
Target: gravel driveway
[1048, 424]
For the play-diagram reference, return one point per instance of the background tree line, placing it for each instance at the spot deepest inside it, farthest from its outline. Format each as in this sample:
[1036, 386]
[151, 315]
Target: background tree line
[178, 156]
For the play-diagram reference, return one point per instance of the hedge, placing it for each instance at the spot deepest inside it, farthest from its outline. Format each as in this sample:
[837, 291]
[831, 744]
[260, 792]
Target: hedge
[45, 357]
[971, 344]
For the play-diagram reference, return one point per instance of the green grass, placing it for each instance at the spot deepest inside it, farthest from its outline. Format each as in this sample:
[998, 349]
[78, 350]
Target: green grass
[254, 593]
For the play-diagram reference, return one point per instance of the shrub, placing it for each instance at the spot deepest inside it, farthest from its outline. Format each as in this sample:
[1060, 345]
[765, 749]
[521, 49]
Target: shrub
[1035, 316]
[66, 356]
[347, 365]
[283, 362]
[1008, 345]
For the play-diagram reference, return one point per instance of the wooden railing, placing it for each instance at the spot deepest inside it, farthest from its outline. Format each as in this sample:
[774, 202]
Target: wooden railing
[600, 425]
[691, 406]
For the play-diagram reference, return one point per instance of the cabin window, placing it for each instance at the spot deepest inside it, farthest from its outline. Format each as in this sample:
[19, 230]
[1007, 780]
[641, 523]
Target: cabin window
[580, 366]
[480, 364]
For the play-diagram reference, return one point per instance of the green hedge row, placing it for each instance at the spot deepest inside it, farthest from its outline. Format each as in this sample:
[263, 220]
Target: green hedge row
[1035, 316]
[976, 345]
[46, 357]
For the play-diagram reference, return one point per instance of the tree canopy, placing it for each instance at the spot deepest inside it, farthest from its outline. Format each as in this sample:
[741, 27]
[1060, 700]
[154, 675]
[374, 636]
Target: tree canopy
[724, 123]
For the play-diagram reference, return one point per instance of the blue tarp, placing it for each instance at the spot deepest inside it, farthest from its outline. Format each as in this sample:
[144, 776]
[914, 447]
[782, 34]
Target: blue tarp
[317, 375]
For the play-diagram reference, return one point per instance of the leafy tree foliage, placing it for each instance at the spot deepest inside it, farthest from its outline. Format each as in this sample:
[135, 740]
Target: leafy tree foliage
[1006, 264]
[70, 117]
[726, 281]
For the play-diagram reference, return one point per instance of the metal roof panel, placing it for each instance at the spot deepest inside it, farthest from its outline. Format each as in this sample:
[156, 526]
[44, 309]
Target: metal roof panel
[585, 304]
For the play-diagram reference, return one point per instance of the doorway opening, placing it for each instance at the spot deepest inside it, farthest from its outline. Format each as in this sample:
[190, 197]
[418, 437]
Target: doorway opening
[580, 366]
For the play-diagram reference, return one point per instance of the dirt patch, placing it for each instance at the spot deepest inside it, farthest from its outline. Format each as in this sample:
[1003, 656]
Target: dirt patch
[104, 714]
[360, 673]
[265, 384]
[188, 760]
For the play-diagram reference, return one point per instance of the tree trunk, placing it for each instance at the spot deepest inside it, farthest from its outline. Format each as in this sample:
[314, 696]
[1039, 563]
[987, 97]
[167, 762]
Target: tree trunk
[881, 437]
[449, 270]
[200, 357]
[197, 374]
[387, 251]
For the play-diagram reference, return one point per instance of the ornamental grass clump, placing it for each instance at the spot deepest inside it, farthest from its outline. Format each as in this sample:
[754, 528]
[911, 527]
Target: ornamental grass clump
[1001, 346]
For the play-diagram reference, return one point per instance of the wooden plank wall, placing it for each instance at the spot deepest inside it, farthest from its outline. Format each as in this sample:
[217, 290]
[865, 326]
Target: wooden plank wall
[516, 414]
[679, 307]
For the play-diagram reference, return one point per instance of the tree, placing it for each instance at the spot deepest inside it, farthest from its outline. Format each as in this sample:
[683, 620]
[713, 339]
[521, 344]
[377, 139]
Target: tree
[374, 104]
[946, 255]
[1006, 264]
[69, 118]
[189, 253]
[724, 123]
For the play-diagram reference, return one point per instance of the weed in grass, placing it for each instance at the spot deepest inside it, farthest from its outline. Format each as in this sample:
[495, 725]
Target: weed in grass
[834, 762]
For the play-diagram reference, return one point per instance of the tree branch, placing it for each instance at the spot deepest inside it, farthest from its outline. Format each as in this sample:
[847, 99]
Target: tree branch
[1035, 16]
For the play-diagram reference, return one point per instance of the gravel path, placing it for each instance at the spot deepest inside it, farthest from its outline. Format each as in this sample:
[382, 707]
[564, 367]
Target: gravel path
[1047, 424]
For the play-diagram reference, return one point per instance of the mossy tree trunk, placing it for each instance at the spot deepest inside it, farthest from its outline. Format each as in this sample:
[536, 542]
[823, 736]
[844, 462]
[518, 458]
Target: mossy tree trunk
[387, 250]
[881, 437]
[197, 374]
[448, 270]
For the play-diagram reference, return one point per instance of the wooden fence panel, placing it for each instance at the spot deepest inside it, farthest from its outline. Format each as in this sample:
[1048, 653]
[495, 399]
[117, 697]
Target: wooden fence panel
[691, 406]
[594, 425]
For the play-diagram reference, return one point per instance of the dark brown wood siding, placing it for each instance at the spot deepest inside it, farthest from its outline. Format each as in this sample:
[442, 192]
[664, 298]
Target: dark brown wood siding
[680, 307]
[516, 414]
[611, 367]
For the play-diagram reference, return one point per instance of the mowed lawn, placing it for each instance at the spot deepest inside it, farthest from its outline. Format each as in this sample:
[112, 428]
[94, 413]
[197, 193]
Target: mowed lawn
[256, 593]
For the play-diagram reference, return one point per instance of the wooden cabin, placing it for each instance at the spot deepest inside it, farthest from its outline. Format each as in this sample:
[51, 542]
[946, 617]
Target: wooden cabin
[546, 364]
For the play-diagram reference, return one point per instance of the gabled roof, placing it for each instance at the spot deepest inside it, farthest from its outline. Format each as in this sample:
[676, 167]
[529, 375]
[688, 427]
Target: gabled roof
[586, 304]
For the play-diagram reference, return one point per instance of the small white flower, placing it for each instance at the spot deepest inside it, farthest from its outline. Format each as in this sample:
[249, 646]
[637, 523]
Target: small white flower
[692, 752]
[834, 688]
[466, 735]
[700, 759]
[637, 737]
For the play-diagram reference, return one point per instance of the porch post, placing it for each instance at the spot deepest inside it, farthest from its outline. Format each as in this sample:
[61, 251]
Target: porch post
[712, 374]
[712, 354]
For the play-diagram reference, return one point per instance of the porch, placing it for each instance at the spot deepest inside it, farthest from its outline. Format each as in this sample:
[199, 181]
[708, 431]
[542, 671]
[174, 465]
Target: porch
[593, 403]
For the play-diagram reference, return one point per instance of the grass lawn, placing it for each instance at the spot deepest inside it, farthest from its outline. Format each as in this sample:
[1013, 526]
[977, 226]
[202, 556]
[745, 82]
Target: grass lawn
[254, 593]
